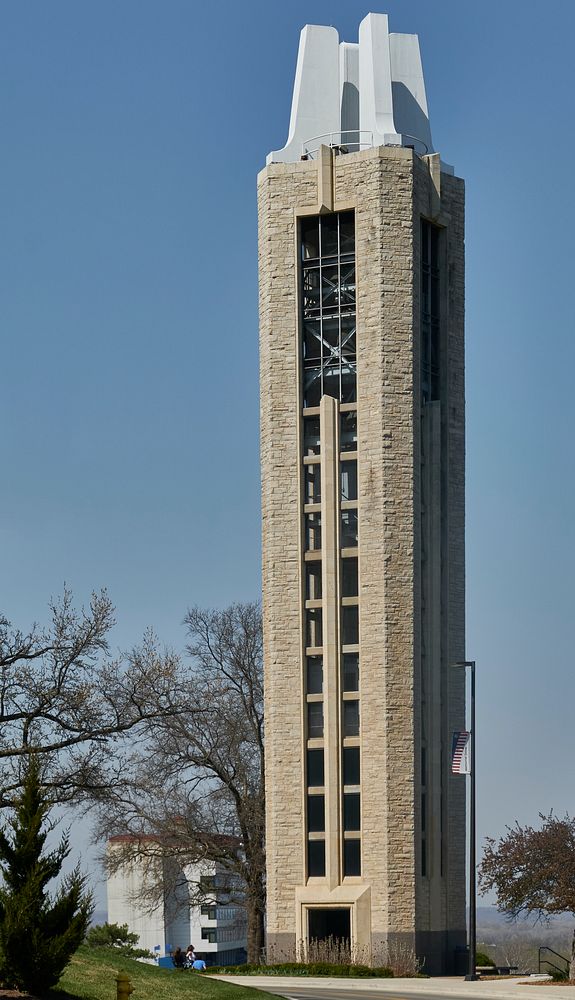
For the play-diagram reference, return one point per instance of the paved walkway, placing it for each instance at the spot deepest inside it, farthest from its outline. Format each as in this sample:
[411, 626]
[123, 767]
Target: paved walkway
[451, 987]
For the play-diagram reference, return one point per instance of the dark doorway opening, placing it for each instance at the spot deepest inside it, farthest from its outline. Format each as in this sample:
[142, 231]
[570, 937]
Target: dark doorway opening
[329, 923]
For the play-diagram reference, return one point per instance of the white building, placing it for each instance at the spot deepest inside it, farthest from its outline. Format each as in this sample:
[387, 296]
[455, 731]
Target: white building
[218, 932]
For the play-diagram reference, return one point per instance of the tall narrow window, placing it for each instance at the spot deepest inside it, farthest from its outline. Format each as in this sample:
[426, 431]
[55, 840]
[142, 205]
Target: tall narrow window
[312, 483]
[348, 431]
[313, 531]
[315, 720]
[349, 582]
[313, 581]
[429, 311]
[328, 307]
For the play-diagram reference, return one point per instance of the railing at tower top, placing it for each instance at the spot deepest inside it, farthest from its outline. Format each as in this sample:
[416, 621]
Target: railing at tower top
[342, 142]
[351, 141]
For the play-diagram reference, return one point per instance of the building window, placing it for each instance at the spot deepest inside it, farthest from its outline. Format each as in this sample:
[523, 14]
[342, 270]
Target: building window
[348, 431]
[351, 671]
[313, 531]
[350, 718]
[209, 911]
[316, 813]
[313, 581]
[328, 307]
[311, 436]
[316, 858]
[315, 769]
[351, 765]
[315, 720]
[312, 483]
[351, 857]
[351, 811]
[314, 674]
[349, 480]
[430, 319]
[349, 581]
[313, 627]
[350, 625]
[348, 529]
[209, 935]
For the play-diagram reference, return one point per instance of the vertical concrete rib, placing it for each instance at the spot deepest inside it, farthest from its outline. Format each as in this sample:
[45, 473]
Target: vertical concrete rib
[329, 430]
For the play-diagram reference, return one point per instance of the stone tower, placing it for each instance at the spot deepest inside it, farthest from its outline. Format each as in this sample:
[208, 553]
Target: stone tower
[362, 446]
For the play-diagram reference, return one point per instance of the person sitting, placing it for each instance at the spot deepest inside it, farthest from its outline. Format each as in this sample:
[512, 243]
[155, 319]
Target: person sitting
[178, 958]
[199, 965]
[190, 956]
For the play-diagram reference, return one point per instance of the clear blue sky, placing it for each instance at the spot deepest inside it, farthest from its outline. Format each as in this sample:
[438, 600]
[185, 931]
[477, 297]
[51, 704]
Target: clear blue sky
[131, 136]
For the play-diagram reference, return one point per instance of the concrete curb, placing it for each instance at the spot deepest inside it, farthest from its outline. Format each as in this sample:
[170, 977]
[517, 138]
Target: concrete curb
[509, 989]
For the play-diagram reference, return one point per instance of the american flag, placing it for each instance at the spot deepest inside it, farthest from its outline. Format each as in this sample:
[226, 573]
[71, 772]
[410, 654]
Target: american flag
[460, 762]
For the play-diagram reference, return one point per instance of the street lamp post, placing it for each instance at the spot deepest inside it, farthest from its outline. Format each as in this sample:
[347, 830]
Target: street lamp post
[472, 975]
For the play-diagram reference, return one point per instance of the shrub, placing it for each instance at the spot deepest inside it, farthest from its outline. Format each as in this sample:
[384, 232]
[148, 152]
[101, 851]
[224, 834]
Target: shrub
[481, 958]
[115, 936]
[306, 969]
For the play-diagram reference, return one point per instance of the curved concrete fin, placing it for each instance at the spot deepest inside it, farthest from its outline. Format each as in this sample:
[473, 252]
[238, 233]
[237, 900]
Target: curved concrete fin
[375, 93]
[349, 92]
[315, 106]
[408, 90]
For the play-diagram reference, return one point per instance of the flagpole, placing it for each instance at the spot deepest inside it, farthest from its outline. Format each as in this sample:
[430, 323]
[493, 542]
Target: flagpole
[472, 975]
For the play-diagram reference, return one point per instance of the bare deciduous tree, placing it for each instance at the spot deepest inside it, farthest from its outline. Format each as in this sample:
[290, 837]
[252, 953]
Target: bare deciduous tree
[63, 696]
[533, 871]
[195, 791]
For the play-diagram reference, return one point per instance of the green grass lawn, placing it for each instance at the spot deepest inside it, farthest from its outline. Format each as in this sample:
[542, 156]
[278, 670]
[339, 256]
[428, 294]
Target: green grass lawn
[92, 972]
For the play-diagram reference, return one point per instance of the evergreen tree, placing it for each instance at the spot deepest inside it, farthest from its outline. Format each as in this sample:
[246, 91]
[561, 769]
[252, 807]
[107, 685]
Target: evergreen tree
[38, 934]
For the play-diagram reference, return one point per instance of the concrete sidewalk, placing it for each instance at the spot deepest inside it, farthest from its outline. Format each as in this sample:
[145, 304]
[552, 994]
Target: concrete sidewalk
[503, 989]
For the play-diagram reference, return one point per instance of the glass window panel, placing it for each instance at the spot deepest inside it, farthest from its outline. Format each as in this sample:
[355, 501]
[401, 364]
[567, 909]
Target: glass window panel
[329, 246]
[315, 813]
[313, 627]
[351, 766]
[312, 532]
[346, 233]
[310, 237]
[348, 431]
[350, 625]
[331, 382]
[315, 768]
[351, 817]
[312, 340]
[315, 720]
[348, 472]
[348, 529]
[352, 857]
[314, 674]
[311, 436]
[330, 287]
[348, 325]
[313, 581]
[347, 285]
[351, 671]
[350, 718]
[312, 483]
[349, 581]
[316, 858]
[312, 387]
[348, 384]
[311, 289]
[330, 335]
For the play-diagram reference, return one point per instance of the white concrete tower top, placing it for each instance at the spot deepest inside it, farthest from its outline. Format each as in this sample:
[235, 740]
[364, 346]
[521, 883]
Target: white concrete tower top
[356, 95]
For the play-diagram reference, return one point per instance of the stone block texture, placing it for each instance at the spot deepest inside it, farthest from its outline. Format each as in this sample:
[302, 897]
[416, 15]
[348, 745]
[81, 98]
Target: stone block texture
[411, 556]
